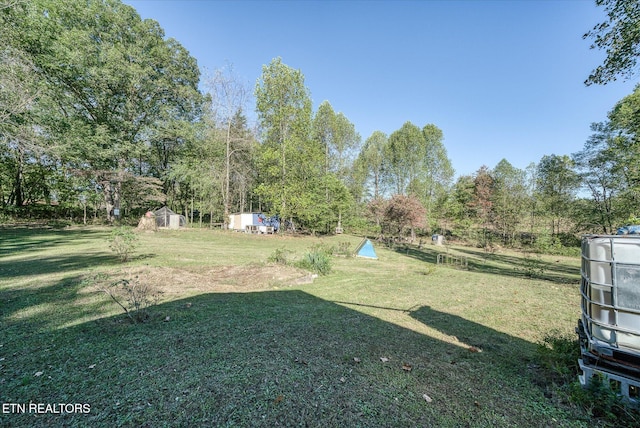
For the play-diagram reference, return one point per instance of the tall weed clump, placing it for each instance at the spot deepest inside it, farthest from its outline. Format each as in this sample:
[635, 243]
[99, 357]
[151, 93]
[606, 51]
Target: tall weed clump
[317, 260]
[558, 356]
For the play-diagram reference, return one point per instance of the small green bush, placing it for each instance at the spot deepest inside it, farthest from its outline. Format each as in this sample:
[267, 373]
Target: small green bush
[123, 241]
[280, 256]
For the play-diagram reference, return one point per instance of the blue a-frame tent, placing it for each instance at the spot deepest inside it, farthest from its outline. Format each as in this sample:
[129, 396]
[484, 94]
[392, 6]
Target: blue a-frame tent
[365, 249]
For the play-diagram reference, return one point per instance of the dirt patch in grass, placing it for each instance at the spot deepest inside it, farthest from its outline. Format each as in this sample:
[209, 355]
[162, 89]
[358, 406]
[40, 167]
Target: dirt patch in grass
[173, 282]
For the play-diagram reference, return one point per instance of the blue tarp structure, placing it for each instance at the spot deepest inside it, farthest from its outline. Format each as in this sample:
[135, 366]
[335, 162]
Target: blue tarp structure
[365, 249]
[629, 230]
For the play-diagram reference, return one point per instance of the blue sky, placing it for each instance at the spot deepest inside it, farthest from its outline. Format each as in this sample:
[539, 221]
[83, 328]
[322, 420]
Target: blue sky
[502, 79]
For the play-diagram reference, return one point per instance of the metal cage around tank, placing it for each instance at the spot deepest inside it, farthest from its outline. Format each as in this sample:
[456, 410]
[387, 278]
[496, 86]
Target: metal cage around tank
[609, 327]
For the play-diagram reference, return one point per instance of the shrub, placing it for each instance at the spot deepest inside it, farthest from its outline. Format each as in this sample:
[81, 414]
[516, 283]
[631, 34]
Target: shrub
[134, 297]
[123, 241]
[280, 256]
[558, 356]
[555, 245]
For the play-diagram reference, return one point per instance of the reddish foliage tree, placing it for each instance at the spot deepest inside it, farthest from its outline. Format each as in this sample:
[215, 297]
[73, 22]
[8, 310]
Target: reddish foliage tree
[376, 209]
[483, 194]
[405, 212]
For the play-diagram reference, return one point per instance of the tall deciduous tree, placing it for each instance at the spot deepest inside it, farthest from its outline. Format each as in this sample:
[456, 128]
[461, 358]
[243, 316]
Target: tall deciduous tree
[557, 185]
[291, 161]
[597, 165]
[436, 172]
[459, 206]
[624, 127]
[25, 167]
[369, 164]
[197, 175]
[608, 167]
[619, 37]
[114, 79]
[403, 156]
[229, 98]
[346, 143]
[510, 199]
[337, 135]
[324, 131]
[483, 195]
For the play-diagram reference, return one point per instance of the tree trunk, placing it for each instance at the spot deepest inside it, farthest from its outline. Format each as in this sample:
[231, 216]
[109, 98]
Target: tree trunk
[191, 209]
[108, 200]
[18, 194]
[225, 219]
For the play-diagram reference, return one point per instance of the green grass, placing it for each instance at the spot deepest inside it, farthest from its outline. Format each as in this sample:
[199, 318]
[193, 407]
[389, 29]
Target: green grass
[229, 345]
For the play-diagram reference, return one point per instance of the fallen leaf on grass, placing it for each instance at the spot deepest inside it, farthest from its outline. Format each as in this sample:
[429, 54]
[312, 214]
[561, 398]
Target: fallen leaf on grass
[384, 359]
[38, 374]
[278, 399]
[427, 398]
[356, 360]
[407, 367]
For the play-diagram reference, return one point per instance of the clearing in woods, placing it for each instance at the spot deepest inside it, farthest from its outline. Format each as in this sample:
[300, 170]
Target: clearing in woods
[237, 341]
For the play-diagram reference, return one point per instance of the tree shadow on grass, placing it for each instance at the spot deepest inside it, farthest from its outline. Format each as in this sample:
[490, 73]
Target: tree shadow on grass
[273, 358]
[501, 348]
[33, 311]
[55, 264]
[425, 254]
[25, 239]
[499, 264]
[22, 241]
[527, 266]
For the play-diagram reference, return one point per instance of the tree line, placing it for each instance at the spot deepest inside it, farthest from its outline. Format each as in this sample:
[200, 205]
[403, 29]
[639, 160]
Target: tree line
[100, 111]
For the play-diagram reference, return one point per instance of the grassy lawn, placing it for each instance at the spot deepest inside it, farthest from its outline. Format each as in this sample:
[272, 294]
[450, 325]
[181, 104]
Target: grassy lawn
[236, 341]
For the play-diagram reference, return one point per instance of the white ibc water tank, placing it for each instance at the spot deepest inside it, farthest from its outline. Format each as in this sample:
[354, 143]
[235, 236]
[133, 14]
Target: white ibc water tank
[610, 288]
